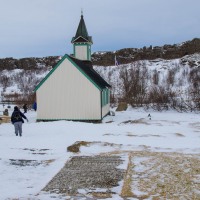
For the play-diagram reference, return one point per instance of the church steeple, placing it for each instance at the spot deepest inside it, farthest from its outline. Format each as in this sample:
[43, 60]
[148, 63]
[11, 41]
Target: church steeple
[82, 41]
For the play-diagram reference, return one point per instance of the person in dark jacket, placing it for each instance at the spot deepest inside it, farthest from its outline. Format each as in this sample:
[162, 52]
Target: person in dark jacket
[5, 112]
[35, 106]
[25, 108]
[17, 120]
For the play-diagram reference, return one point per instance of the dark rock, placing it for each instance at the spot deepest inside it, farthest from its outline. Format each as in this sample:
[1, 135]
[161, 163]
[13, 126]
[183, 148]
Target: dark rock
[128, 55]
[28, 63]
[124, 56]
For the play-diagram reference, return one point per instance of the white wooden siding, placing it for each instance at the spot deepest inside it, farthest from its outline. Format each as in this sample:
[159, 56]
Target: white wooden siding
[68, 94]
[81, 52]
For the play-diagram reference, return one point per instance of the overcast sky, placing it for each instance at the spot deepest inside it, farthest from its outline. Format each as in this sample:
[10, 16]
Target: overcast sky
[37, 28]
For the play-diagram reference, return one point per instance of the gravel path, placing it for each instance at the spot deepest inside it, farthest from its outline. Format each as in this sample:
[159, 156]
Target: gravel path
[89, 173]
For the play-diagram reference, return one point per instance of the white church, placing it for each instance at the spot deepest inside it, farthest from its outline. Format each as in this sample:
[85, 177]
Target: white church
[73, 90]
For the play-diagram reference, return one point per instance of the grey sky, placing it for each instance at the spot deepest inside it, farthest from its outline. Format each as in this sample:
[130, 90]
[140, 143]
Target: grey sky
[37, 28]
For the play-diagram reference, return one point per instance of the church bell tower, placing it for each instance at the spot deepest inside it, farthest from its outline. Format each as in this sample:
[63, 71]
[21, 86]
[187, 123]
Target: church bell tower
[82, 42]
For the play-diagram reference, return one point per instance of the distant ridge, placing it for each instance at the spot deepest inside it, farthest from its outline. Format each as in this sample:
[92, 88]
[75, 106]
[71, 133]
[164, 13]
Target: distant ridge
[124, 56]
[129, 55]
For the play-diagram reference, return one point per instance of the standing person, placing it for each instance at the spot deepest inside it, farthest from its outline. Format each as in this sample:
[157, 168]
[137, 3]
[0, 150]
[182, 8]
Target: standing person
[17, 120]
[35, 106]
[5, 112]
[25, 108]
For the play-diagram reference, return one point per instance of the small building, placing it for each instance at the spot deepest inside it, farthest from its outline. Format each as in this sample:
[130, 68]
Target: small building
[73, 90]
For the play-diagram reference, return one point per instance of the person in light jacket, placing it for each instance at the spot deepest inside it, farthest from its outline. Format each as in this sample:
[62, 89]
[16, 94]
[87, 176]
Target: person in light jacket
[17, 120]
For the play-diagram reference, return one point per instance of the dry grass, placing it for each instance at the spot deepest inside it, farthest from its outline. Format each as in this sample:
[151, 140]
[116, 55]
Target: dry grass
[75, 148]
[108, 134]
[48, 162]
[137, 121]
[171, 122]
[132, 135]
[126, 189]
[4, 119]
[144, 135]
[109, 122]
[101, 195]
[122, 106]
[167, 175]
[159, 175]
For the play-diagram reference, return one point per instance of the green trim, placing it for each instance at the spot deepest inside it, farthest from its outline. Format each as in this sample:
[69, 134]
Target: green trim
[47, 76]
[74, 51]
[108, 96]
[102, 97]
[68, 119]
[89, 52]
[101, 102]
[86, 41]
[105, 97]
[58, 64]
[80, 44]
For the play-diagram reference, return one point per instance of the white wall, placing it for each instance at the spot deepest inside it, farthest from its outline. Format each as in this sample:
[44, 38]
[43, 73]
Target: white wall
[68, 94]
[81, 52]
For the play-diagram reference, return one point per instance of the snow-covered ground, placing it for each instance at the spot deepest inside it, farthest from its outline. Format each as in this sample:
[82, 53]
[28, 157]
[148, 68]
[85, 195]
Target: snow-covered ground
[29, 162]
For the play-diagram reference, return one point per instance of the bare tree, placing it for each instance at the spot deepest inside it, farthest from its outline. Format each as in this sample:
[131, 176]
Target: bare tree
[134, 83]
[158, 97]
[155, 77]
[26, 81]
[5, 81]
[170, 77]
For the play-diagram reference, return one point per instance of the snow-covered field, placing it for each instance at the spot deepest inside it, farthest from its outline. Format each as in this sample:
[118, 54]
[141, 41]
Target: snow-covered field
[29, 162]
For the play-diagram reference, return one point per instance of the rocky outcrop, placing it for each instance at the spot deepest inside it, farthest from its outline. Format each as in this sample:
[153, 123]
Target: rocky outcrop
[128, 55]
[124, 56]
[28, 63]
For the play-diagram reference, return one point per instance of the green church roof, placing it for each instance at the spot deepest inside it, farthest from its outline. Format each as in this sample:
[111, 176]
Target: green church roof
[82, 32]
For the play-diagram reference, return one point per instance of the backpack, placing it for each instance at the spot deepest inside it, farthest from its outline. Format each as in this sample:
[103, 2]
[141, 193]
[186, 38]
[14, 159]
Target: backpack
[16, 116]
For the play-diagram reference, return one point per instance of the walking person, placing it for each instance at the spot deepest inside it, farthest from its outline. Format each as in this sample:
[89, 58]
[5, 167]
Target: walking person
[17, 120]
[25, 108]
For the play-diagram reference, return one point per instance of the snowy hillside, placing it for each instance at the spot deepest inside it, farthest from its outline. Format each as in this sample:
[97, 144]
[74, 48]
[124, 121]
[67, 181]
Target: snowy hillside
[182, 68]
[178, 78]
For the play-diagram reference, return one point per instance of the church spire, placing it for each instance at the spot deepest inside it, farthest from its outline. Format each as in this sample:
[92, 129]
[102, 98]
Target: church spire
[82, 41]
[82, 31]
